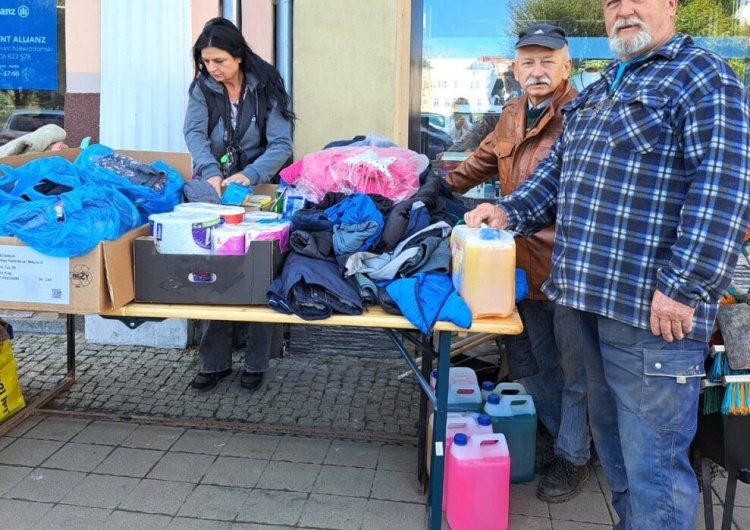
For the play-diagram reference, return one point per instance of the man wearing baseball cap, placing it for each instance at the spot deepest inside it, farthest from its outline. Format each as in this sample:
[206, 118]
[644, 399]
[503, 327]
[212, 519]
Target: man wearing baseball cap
[528, 127]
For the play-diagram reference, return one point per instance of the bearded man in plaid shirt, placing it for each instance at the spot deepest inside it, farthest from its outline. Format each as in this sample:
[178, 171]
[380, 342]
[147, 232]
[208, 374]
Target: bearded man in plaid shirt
[649, 190]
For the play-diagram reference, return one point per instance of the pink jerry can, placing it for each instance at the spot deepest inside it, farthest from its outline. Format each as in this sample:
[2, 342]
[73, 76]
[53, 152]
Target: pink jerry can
[470, 425]
[478, 489]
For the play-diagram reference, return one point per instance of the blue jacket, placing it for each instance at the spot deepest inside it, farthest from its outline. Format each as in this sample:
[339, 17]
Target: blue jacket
[357, 224]
[426, 298]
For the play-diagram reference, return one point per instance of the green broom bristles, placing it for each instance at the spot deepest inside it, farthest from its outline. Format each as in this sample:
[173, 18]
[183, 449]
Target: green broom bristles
[713, 396]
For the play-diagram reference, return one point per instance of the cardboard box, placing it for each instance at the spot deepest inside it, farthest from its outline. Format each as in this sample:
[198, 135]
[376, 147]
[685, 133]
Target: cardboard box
[202, 279]
[101, 280]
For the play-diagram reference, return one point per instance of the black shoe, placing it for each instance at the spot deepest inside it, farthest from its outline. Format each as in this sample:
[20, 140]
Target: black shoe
[207, 381]
[251, 380]
[563, 481]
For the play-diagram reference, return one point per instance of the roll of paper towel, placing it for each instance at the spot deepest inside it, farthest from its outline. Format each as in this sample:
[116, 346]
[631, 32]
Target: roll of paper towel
[266, 229]
[229, 240]
[183, 233]
[231, 215]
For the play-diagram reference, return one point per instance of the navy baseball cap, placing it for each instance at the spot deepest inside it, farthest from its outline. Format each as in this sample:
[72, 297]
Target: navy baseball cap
[545, 35]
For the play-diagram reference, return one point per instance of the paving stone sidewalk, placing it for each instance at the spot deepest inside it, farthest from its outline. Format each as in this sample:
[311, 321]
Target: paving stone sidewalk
[151, 476]
[333, 392]
[63, 473]
[66, 473]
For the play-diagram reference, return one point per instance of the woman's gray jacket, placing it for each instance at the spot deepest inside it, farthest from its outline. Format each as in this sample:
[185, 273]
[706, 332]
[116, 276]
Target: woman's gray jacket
[207, 148]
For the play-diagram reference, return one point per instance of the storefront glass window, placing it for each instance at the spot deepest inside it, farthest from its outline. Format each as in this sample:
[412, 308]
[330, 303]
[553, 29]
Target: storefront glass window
[467, 53]
[32, 66]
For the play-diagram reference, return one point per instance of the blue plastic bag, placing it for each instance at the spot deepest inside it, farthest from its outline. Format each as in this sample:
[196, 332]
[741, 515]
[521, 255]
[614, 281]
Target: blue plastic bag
[73, 223]
[17, 184]
[147, 200]
[20, 181]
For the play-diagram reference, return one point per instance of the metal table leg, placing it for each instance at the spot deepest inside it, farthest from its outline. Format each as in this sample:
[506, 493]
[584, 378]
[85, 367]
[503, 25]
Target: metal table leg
[70, 331]
[726, 520]
[422, 425]
[435, 497]
[439, 400]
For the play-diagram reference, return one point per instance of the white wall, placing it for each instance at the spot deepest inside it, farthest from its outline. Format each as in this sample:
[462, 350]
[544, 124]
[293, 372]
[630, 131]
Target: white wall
[145, 73]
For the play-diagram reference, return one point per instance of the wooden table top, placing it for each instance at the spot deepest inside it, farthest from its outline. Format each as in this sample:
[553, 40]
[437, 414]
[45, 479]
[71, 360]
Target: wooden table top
[374, 317]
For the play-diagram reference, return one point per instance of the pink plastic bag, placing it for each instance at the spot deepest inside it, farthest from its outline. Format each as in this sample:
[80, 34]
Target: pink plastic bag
[389, 171]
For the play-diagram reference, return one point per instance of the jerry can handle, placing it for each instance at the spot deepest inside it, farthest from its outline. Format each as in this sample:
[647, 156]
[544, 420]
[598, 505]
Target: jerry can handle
[509, 389]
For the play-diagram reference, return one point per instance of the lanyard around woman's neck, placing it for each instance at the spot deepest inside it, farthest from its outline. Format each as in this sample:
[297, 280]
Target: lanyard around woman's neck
[232, 133]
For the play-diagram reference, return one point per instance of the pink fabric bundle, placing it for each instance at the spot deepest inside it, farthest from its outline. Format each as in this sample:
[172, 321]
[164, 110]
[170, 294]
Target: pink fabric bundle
[389, 171]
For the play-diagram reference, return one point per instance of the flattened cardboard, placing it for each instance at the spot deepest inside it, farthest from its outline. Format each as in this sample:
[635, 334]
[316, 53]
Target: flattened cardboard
[179, 161]
[236, 280]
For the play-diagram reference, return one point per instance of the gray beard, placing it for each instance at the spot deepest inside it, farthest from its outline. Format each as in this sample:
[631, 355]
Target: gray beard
[632, 48]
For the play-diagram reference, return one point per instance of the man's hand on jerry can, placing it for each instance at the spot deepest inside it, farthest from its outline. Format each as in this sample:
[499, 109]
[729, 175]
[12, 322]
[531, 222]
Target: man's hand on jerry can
[487, 213]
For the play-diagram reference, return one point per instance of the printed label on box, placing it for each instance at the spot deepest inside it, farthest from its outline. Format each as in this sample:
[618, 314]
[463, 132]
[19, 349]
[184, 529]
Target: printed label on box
[29, 276]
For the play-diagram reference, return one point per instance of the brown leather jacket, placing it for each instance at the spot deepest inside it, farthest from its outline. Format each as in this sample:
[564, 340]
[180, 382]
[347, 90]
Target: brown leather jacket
[514, 154]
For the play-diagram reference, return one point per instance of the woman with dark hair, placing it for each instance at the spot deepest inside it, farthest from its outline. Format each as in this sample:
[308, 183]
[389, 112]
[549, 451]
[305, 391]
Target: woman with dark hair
[238, 128]
[250, 137]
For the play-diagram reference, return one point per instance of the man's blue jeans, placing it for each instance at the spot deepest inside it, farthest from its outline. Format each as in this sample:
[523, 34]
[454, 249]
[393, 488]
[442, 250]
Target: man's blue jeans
[559, 395]
[643, 405]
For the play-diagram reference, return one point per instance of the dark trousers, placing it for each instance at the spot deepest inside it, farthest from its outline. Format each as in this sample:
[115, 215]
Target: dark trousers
[216, 345]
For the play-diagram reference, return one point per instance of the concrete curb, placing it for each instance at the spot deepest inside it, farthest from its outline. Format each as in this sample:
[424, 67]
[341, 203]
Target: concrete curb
[35, 322]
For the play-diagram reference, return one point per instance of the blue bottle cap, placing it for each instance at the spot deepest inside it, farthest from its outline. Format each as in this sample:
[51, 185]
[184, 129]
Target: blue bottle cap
[488, 385]
[489, 234]
[484, 420]
[460, 439]
[493, 399]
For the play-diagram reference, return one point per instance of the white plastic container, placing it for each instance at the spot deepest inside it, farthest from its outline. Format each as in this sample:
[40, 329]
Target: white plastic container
[456, 375]
[509, 389]
[484, 269]
[464, 394]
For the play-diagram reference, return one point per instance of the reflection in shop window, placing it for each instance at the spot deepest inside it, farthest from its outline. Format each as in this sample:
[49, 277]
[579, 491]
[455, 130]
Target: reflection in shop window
[32, 64]
[471, 50]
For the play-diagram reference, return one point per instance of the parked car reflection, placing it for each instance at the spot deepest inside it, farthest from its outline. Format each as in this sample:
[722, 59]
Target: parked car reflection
[24, 121]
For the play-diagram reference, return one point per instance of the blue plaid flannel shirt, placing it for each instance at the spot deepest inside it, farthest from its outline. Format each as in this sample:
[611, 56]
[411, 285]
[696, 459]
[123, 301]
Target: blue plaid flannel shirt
[648, 187]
